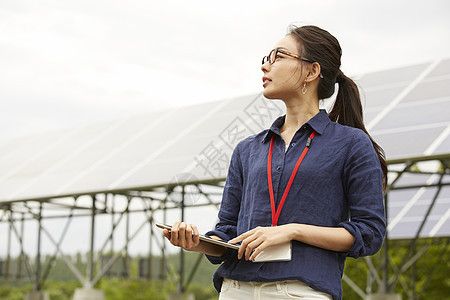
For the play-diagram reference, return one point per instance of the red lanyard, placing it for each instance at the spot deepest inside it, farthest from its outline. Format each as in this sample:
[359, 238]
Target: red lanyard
[276, 214]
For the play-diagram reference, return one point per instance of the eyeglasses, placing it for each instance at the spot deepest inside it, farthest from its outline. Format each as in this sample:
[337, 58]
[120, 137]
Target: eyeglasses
[273, 55]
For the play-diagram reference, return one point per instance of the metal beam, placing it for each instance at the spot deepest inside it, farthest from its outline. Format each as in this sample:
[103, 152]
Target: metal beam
[354, 286]
[90, 269]
[22, 251]
[404, 265]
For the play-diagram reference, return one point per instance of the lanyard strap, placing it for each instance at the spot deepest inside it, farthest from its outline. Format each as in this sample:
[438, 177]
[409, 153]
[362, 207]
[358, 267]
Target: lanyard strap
[276, 214]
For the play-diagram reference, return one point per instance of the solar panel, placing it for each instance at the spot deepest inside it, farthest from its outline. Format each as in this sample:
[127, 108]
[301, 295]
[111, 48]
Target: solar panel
[407, 142]
[406, 110]
[388, 77]
[430, 88]
[408, 213]
[444, 146]
[378, 97]
[419, 115]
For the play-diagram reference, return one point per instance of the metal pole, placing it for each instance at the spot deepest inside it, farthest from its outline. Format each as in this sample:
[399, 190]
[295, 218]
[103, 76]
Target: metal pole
[369, 280]
[20, 239]
[181, 287]
[405, 264]
[413, 276]
[21, 256]
[127, 236]
[112, 260]
[37, 286]
[112, 223]
[91, 254]
[385, 288]
[162, 271]
[150, 247]
[64, 258]
[8, 255]
[194, 270]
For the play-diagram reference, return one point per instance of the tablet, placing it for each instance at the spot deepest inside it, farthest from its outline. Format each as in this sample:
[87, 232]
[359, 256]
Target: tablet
[204, 238]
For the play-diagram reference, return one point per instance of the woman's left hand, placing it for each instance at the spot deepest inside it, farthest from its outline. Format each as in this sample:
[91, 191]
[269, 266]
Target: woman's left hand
[256, 240]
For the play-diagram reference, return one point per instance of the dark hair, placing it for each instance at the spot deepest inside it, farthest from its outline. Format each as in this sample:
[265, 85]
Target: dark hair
[320, 46]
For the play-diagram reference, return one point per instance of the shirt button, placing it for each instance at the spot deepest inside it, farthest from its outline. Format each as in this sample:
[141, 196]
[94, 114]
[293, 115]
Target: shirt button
[293, 144]
[278, 168]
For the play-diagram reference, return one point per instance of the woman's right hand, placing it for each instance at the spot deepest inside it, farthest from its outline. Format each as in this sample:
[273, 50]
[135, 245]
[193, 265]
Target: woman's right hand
[183, 235]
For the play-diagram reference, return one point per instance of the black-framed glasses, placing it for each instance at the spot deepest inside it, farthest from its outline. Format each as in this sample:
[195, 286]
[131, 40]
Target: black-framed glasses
[272, 57]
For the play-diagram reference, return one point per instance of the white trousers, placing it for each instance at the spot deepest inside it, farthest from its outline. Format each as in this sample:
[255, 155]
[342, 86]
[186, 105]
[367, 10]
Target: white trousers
[289, 289]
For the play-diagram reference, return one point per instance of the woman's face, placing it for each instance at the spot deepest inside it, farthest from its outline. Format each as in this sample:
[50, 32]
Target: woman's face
[283, 78]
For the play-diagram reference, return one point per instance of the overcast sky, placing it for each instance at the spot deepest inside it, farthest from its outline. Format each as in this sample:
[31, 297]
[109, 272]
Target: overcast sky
[64, 63]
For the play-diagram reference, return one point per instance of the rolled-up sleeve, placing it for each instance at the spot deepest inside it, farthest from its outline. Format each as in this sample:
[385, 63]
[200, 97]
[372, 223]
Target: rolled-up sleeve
[226, 228]
[363, 183]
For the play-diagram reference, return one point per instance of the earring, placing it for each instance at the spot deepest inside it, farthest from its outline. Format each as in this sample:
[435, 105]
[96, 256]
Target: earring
[304, 90]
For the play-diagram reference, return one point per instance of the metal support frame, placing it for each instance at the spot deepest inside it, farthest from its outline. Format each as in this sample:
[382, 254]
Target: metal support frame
[37, 285]
[19, 237]
[407, 261]
[385, 287]
[90, 269]
[8, 254]
[159, 199]
[61, 239]
[387, 283]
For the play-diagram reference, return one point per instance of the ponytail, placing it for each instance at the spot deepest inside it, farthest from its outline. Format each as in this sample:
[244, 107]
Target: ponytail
[347, 110]
[320, 46]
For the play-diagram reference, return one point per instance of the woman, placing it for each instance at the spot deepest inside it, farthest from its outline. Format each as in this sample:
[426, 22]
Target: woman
[313, 183]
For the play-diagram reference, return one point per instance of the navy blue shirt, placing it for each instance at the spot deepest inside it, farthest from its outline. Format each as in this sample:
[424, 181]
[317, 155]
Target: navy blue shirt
[339, 184]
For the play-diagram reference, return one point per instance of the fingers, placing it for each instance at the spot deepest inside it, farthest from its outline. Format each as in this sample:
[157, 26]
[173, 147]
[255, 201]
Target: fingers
[174, 232]
[166, 233]
[257, 250]
[195, 235]
[240, 237]
[253, 242]
[248, 245]
[183, 235]
[250, 249]
[246, 238]
[242, 248]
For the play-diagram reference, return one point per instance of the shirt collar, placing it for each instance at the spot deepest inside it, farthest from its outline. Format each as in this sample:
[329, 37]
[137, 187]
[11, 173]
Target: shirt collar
[317, 123]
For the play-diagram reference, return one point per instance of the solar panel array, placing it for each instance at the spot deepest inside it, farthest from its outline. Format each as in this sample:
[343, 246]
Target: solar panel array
[406, 111]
